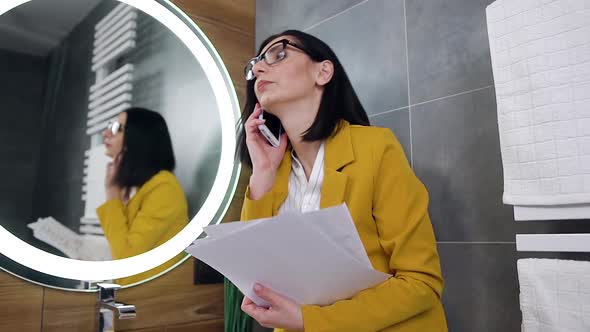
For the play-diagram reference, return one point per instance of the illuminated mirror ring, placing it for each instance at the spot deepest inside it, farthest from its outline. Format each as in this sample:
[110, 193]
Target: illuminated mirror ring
[218, 199]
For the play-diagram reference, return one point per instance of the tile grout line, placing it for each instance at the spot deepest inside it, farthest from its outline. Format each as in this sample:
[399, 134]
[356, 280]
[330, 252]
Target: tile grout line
[333, 16]
[453, 95]
[430, 101]
[408, 80]
[388, 111]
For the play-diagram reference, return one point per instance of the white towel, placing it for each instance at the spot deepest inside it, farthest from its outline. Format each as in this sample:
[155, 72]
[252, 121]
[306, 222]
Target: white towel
[541, 64]
[554, 295]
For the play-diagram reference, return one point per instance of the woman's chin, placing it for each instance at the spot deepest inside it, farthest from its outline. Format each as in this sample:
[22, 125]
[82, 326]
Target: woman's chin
[266, 101]
[271, 102]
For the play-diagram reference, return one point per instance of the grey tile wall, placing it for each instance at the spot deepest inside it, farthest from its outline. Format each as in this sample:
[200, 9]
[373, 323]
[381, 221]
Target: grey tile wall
[457, 155]
[448, 47]
[274, 16]
[22, 86]
[59, 192]
[399, 122]
[376, 61]
[427, 76]
[480, 289]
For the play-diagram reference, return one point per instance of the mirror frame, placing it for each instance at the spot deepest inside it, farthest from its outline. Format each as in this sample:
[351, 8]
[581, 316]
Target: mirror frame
[216, 203]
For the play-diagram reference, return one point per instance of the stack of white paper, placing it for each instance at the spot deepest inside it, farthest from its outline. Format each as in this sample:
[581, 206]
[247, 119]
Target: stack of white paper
[74, 245]
[312, 258]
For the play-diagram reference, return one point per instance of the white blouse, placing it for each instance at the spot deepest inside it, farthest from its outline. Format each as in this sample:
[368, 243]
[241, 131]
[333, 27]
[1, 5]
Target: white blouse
[304, 196]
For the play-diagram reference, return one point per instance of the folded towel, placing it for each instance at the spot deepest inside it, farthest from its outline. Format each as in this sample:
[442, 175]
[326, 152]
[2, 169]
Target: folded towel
[554, 295]
[540, 54]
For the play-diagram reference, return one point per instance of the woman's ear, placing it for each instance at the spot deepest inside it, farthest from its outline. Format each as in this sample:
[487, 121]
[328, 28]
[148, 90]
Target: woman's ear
[325, 72]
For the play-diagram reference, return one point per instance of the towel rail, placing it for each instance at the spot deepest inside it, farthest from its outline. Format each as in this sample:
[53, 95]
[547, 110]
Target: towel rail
[578, 242]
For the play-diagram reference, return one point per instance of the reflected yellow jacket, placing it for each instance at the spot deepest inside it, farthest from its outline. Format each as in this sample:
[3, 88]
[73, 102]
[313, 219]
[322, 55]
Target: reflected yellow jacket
[156, 213]
[366, 168]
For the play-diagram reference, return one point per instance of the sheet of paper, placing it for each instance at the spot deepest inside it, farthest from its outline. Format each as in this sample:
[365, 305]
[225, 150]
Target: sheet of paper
[337, 224]
[292, 257]
[57, 235]
[94, 248]
[223, 229]
[84, 247]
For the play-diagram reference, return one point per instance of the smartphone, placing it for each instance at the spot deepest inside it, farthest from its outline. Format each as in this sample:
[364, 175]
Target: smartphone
[271, 129]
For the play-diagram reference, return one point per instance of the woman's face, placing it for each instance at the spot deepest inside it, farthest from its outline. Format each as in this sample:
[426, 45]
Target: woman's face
[289, 79]
[114, 134]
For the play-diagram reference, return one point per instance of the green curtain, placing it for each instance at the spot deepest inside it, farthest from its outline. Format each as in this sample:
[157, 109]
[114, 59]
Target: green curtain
[235, 319]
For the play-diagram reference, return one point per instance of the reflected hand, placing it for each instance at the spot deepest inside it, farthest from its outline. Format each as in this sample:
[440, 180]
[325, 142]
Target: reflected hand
[113, 191]
[282, 313]
[265, 158]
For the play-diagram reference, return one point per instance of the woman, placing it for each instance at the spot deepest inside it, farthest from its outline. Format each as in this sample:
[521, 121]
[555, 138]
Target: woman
[328, 155]
[146, 205]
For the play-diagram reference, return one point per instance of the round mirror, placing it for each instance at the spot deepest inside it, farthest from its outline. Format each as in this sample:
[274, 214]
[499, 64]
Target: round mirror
[118, 139]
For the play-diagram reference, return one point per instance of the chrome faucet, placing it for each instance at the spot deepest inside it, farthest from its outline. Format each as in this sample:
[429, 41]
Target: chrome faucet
[108, 308]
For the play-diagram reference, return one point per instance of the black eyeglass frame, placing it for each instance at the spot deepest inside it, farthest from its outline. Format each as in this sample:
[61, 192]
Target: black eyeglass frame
[249, 68]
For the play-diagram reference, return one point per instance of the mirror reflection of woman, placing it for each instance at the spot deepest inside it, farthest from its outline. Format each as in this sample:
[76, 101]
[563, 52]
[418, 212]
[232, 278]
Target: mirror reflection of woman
[145, 205]
[329, 154]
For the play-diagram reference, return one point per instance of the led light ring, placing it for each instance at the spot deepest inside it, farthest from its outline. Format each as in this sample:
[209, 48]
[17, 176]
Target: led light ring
[39, 260]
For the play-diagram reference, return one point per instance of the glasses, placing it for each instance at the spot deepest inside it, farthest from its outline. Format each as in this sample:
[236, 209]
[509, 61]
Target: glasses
[275, 53]
[115, 127]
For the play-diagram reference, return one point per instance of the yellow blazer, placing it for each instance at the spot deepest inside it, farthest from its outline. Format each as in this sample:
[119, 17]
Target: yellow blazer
[156, 213]
[366, 168]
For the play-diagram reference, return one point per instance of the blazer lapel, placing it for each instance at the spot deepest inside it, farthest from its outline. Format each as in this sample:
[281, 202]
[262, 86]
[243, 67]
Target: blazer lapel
[338, 153]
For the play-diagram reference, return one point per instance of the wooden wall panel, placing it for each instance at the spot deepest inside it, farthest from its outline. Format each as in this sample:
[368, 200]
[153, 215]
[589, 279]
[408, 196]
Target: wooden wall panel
[166, 302]
[21, 304]
[158, 306]
[235, 15]
[170, 303]
[229, 24]
[234, 61]
[68, 311]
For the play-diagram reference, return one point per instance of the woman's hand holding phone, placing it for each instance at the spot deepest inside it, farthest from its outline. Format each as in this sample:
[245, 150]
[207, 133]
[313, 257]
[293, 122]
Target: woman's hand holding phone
[113, 191]
[265, 158]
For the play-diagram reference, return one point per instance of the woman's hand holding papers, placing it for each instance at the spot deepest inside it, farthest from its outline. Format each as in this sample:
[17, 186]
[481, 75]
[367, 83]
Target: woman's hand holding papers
[282, 313]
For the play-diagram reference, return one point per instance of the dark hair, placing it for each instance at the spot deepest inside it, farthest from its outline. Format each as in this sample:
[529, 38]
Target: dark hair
[339, 101]
[147, 148]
